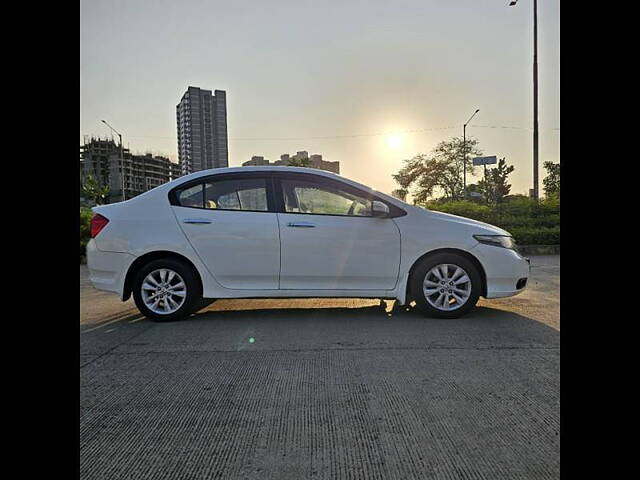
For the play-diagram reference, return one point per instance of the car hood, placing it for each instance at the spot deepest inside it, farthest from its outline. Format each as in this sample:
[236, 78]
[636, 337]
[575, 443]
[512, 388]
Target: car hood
[481, 227]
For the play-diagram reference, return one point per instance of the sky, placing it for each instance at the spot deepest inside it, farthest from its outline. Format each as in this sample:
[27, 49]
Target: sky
[369, 83]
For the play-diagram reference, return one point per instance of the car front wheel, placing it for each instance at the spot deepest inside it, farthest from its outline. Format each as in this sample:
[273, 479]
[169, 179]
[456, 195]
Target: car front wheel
[165, 290]
[446, 285]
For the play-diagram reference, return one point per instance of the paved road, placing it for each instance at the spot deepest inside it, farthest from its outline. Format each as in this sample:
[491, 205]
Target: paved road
[322, 389]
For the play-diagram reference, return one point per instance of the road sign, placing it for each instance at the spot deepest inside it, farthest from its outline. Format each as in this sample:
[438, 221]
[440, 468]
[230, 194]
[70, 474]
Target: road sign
[485, 160]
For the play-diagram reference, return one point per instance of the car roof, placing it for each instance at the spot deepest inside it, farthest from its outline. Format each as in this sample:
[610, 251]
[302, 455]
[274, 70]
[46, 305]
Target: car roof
[161, 190]
[270, 168]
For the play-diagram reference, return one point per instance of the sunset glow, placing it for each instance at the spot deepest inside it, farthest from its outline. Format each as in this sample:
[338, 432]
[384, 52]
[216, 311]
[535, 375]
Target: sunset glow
[394, 140]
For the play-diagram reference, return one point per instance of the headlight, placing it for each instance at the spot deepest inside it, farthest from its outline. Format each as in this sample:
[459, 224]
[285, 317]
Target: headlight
[503, 241]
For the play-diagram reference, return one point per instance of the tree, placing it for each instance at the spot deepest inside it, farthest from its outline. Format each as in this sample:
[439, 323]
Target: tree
[442, 171]
[474, 188]
[299, 162]
[400, 193]
[495, 186]
[94, 191]
[551, 182]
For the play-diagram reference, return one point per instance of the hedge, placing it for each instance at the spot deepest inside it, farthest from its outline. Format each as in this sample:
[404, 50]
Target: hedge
[85, 230]
[536, 236]
[530, 222]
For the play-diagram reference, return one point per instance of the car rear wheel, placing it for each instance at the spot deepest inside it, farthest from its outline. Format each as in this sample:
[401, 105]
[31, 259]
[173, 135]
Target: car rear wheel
[165, 290]
[446, 285]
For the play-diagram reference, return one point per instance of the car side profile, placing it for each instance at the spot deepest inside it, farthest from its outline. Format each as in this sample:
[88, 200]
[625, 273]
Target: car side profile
[250, 232]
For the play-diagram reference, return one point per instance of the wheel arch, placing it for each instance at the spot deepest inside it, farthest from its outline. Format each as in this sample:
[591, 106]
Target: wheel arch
[463, 253]
[142, 260]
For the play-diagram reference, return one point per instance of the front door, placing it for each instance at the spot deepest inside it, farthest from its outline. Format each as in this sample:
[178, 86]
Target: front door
[229, 225]
[330, 241]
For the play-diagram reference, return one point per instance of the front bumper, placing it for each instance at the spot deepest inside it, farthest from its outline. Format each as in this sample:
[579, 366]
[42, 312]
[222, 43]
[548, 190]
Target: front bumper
[506, 270]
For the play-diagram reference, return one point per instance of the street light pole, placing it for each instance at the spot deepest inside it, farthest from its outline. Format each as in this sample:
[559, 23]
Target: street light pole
[124, 195]
[535, 100]
[464, 153]
[535, 96]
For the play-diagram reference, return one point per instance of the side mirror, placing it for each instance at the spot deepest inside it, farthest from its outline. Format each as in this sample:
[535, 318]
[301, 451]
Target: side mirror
[379, 209]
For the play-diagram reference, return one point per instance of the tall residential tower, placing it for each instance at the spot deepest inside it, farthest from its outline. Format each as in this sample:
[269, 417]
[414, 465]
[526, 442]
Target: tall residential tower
[202, 130]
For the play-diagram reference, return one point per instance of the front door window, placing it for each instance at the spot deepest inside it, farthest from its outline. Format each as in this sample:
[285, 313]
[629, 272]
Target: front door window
[302, 196]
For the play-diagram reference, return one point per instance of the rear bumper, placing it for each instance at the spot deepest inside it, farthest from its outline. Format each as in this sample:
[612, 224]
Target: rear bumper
[107, 270]
[506, 270]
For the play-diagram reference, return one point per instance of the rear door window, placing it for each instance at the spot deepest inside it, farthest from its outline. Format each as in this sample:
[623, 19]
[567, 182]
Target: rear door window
[236, 194]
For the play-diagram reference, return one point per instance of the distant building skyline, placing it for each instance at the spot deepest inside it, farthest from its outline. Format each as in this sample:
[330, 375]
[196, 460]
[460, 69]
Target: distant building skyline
[100, 158]
[315, 161]
[201, 118]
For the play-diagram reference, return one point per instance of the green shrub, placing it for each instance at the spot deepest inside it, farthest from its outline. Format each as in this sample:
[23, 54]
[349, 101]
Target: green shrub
[511, 221]
[463, 209]
[85, 229]
[530, 222]
[519, 207]
[536, 236]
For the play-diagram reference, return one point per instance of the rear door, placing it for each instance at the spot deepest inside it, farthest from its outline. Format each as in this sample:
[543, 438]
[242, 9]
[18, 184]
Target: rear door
[330, 240]
[230, 222]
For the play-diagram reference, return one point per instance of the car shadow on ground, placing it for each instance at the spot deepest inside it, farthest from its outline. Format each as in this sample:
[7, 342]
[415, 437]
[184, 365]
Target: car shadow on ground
[389, 311]
[302, 328]
[365, 326]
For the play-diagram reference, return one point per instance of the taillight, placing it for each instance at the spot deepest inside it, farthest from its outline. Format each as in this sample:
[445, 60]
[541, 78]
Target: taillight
[98, 222]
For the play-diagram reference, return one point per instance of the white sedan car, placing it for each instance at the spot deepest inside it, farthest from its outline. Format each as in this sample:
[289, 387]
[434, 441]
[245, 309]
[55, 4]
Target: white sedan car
[253, 232]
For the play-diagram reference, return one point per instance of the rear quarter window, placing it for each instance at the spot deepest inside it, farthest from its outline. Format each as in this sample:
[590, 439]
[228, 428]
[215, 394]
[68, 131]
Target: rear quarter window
[191, 197]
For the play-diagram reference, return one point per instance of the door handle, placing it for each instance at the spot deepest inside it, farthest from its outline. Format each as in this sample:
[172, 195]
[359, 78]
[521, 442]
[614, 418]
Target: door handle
[196, 220]
[301, 224]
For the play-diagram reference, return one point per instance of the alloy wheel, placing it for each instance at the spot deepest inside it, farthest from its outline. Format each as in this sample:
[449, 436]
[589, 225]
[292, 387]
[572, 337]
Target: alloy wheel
[447, 287]
[163, 291]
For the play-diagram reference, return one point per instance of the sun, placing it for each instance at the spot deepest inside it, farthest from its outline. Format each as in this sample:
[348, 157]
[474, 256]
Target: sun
[394, 140]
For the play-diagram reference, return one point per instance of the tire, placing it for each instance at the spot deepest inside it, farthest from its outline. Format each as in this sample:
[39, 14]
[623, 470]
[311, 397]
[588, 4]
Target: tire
[455, 267]
[171, 306]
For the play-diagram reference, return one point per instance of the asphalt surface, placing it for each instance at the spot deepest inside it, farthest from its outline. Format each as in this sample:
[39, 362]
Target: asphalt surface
[297, 389]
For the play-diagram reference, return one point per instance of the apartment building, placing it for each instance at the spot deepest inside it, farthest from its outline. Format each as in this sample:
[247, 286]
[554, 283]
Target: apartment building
[201, 118]
[301, 157]
[101, 159]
